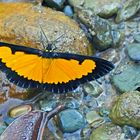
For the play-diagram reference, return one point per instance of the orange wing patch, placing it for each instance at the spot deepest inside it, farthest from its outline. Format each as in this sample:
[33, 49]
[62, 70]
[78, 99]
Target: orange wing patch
[45, 70]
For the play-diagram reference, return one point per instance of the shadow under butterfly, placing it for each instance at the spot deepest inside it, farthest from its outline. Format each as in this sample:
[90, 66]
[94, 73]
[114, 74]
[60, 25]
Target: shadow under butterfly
[48, 70]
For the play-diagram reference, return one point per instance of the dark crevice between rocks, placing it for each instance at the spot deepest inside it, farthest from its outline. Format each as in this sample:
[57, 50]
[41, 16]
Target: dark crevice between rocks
[138, 89]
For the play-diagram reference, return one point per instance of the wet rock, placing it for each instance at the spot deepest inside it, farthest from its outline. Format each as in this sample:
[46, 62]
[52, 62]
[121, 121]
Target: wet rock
[130, 132]
[130, 8]
[48, 105]
[131, 25]
[2, 98]
[92, 88]
[137, 38]
[134, 51]
[138, 137]
[18, 1]
[107, 131]
[106, 100]
[54, 24]
[104, 8]
[109, 10]
[6, 106]
[76, 3]
[71, 103]
[131, 29]
[92, 102]
[71, 120]
[110, 55]
[19, 110]
[26, 126]
[94, 119]
[127, 78]
[9, 90]
[68, 11]
[57, 4]
[105, 34]
[2, 128]
[85, 133]
[104, 111]
[49, 135]
[17, 92]
[126, 109]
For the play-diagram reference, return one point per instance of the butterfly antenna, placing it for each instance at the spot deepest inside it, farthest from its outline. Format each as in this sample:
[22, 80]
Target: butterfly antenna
[53, 42]
[42, 42]
[43, 34]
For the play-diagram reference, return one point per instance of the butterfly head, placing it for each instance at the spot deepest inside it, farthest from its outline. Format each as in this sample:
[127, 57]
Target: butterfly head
[50, 47]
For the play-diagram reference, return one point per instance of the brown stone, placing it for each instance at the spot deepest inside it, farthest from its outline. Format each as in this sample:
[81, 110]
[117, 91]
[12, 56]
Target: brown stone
[20, 24]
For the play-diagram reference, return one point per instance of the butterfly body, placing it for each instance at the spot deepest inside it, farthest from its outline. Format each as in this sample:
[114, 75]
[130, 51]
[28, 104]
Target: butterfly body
[52, 71]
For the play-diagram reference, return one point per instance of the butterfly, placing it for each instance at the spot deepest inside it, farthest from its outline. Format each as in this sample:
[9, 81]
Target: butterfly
[52, 71]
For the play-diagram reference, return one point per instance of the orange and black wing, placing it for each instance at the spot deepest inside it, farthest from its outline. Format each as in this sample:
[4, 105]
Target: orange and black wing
[55, 72]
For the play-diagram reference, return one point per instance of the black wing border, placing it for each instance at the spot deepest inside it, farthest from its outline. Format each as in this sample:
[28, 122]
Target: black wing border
[102, 68]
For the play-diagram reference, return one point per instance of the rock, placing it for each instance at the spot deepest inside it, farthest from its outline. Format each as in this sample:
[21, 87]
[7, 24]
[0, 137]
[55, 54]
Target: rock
[71, 103]
[71, 120]
[132, 25]
[11, 91]
[6, 106]
[92, 88]
[129, 9]
[138, 137]
[105, 34]
[85, 133]
[25, 127]
[2, 98]
[107, 131]
[19, 110]
[109, 9]
[76, 3]
[134, 51]
[110, 55]
[48, 105]
[57, 4]
[68, 11]
[18, 1]
[104, 111]
[30, 17]
[128, 79]
[2, 128]
[94, 119]
[137, 38]
[92, 102]
[104, 8]
[29, 126]
[130, 132]
[19, 93]
[126, 109]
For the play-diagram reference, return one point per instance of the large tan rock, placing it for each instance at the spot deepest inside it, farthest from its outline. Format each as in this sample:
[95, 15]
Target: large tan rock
[20, 24]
